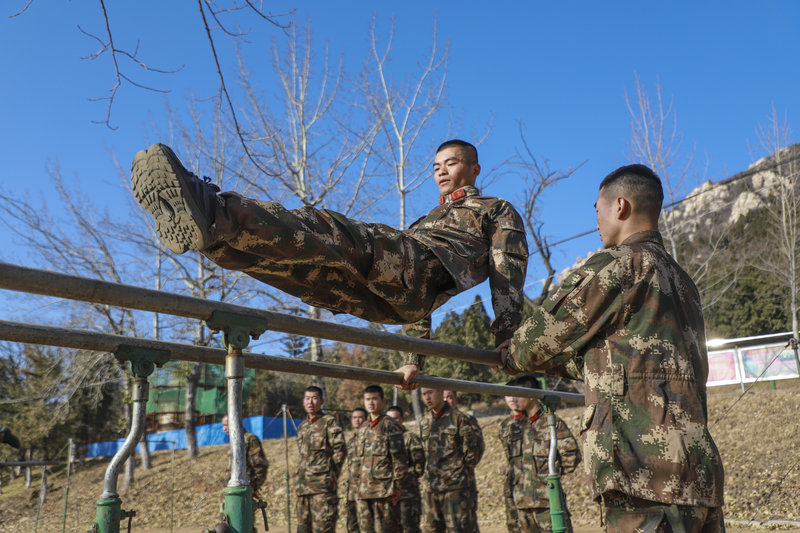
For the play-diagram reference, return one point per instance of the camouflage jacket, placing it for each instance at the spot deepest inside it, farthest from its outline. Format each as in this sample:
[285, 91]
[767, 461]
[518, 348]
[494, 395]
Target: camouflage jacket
[629, 322]
[409, 487]
[526, 443]
[322, 453]
[476, 237]
[452, 449]
[353, 468]
[384, 463]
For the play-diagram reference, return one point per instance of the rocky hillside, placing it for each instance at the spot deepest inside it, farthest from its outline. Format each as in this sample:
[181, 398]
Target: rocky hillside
[757, 438]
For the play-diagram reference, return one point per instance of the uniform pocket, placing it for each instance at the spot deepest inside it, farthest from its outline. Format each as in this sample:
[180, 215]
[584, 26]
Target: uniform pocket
[587, 417]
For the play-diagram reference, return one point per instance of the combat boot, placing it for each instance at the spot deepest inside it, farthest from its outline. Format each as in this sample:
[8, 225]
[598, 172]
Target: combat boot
[182, 205]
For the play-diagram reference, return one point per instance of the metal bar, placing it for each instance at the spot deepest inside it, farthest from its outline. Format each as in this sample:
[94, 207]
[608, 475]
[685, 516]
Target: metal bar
[234, 372]
[23, 279]
[102, 342]
[139, 396]
[31, 463]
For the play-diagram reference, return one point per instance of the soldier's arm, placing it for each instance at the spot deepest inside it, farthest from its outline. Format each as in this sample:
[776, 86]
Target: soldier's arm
[552, 339]
[469, 443]
[508, 261]
[338, 446]
[256, 461]
[416, 454]
[397, 449]
[568, 448]
[421, 330]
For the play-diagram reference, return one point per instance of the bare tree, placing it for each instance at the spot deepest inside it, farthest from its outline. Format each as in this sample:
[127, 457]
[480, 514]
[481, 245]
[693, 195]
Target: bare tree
[695, 236]
[404, 112]
[779, 253]
[538, 178]
[317, 156]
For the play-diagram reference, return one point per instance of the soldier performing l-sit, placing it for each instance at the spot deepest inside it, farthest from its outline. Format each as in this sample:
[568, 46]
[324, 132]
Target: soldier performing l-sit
[371, 271]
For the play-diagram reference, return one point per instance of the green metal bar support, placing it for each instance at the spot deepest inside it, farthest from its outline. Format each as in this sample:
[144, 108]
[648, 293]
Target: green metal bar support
[239, 506]
[558, 505]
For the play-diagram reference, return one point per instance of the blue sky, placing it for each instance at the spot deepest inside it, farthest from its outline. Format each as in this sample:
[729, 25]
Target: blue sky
[562, 68]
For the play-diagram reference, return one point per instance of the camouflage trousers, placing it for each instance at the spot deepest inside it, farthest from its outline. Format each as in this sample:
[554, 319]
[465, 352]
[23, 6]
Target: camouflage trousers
[529, 520]
[371, 271]
[351, 521]
[378, 515]
[625, 514]
[451, 512]
[410, 512]
[317, 513]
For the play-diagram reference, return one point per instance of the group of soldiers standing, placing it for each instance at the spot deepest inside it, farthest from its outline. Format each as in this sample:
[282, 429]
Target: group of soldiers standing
[422, 479]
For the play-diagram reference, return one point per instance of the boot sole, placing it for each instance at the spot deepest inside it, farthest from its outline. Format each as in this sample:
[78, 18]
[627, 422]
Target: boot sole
[160, 186]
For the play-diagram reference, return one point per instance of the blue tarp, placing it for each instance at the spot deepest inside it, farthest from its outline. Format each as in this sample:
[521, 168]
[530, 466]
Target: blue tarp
[264, 427]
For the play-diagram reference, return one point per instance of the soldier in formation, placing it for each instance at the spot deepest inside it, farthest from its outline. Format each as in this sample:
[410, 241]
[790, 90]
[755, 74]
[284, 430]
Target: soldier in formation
[372, 271]
[322, 448]
[384, 466]
[629, 322]
[452, 451]
[451, 397]
[256, 464]
[353, 469]
[525, 437]
[410, 506]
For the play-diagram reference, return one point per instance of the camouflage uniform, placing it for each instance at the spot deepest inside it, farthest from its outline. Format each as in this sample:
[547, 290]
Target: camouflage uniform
[256, 463]
[452, 449]
[526, 442]
[384, 465]
[322, 453]
[373, 271]
[353, 467]
[629, 322]
[410, 501]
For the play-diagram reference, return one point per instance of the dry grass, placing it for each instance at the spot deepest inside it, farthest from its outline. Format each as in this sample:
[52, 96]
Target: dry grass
[758, 441]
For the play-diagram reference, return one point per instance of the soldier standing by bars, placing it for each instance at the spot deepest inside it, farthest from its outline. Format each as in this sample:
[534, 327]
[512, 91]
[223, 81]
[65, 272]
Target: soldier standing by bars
[410, 505]
[384, 466]
[371, 271]
[451, 397]
[629, 322]
[353, 468]
[525, 437]
[322, 453]
[452, 451]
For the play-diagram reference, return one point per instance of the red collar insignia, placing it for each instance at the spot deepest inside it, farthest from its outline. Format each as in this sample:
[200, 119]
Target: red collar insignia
[455, 195]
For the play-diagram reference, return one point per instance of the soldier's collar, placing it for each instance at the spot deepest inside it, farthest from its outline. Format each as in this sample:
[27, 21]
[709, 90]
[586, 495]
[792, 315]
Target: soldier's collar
[442, 410]
[536, 416]
[463, 192]
[372, 423]
[312, 419]
[517, 416]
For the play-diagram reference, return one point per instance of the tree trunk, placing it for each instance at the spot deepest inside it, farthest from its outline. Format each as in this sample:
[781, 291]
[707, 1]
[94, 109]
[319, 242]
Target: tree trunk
[188, 414]
[145, 451]
[315, 353]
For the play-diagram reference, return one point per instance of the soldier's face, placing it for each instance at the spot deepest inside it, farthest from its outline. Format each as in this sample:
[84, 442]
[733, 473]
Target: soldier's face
[397, 416]
[357, 418]
[451, 171]
[433, 398]
[225, 424]
[373, 403]
[450, 397]
[312, 403]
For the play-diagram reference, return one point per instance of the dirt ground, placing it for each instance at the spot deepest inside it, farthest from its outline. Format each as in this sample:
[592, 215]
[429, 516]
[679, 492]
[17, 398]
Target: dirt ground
[757, 436]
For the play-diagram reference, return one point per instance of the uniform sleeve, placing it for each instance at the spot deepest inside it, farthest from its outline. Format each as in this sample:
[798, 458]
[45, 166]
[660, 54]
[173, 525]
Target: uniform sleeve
[421, 330]
[553, 338]
[257, 464]
[338, 446]
[472, 443]
[508, 262]
[568, 448]
[397, 449]
[416, 455]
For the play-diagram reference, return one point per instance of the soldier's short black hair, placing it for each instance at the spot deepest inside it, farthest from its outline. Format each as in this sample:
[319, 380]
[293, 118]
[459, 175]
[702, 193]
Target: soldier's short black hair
[374, 388]
[360, 409]
[639, 184]
[527, 381]
[397, 409]
[468, 151]
[313, 388]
